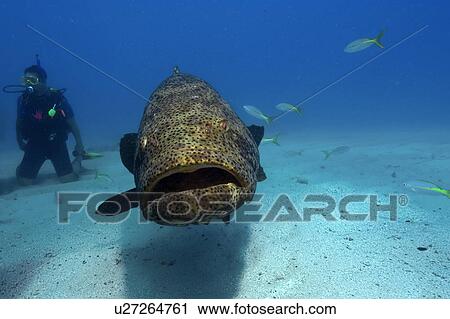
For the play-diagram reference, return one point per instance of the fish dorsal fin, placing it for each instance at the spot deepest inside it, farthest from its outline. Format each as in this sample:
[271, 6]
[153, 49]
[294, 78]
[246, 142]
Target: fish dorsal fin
[128, 145]
[257, 133]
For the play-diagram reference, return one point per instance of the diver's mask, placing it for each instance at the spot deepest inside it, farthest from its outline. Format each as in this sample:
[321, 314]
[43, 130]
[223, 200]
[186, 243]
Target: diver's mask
[30, 80]
[31, 83]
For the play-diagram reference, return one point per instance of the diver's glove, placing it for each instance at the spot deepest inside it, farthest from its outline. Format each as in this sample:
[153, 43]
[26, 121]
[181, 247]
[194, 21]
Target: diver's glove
[78, 151]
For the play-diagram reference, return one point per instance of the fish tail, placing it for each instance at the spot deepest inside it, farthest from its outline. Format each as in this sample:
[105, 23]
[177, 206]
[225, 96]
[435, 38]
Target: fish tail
[275, 140]
[327, 154]
[432, 183]
[269, 119]
[447, 193]
[437, 190]
[106, 176]
[377, 39]
[441, 191]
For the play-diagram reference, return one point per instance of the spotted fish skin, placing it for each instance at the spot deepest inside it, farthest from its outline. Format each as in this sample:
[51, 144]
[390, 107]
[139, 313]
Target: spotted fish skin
[193, 148]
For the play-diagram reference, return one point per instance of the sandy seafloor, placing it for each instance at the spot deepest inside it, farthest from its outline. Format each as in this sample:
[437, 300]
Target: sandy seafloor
[40, 258]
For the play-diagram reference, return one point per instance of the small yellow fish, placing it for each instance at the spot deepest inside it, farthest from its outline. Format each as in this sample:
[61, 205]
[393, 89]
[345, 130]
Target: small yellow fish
[102, 176]
[426, 186]
[361, 44]
[273, 140]
[255, 112]
[288, 107]
[336, 151]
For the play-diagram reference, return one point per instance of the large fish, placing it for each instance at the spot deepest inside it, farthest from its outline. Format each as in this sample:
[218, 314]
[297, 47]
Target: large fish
[193, 151]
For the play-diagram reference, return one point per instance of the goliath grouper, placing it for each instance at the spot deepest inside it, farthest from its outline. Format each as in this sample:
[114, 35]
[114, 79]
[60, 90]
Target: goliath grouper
[193, 159]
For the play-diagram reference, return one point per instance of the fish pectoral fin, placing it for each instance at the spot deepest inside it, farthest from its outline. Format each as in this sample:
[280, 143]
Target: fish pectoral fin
[257, 133]
[119, 203]
[128, 145]
[260, 174]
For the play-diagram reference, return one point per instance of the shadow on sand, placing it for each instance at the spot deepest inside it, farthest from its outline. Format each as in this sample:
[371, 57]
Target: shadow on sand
[8, 185]
[186, 262]
[16, 279]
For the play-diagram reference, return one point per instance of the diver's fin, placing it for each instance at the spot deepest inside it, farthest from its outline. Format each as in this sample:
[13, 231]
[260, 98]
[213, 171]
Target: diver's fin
[377, 40]
[119, 203]
[128, 145]
[91, 155]
[257, 133]
[260, 174]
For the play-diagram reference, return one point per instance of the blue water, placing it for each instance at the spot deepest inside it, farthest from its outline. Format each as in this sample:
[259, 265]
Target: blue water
[253, 52]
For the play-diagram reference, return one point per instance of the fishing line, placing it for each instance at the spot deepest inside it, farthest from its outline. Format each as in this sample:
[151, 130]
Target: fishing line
[318, 92]
[93, 66]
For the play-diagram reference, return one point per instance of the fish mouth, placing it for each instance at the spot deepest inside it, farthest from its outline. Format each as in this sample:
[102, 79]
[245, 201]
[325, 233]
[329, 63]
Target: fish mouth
[194, 177]
[196, 194]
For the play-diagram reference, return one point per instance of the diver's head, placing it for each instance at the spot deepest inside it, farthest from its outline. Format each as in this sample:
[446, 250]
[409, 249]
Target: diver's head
[36, 77]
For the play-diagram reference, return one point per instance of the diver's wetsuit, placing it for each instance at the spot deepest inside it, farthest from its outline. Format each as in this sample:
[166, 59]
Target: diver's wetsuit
[46, 136]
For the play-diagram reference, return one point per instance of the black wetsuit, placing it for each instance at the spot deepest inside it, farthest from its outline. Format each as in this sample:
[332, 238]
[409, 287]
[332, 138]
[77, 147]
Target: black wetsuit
[46, 135]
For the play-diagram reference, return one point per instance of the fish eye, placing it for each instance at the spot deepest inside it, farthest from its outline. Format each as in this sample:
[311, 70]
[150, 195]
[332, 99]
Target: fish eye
[223, 124]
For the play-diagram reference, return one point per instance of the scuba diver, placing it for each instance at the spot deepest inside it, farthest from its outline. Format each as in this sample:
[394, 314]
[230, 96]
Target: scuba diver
[44, 120]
